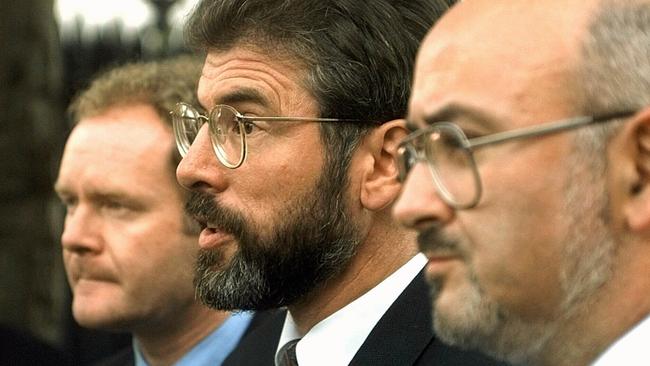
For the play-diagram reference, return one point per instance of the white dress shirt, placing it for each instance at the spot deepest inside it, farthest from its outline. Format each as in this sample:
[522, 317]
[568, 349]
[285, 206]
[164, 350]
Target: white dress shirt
[336, 339]
[633, 349]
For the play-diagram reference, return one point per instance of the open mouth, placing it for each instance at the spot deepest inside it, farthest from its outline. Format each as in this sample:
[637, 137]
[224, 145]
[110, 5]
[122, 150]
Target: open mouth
[212, 237]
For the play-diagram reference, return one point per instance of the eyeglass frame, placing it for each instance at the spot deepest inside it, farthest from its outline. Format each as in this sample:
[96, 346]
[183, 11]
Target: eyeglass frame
[241, 120]
[470, 145]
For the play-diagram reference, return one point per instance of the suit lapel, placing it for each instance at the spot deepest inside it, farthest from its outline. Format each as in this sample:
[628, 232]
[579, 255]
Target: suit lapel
[257, 347]
[404, 331]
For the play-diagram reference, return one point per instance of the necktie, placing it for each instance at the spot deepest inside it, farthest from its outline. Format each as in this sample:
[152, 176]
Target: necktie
[288, 354]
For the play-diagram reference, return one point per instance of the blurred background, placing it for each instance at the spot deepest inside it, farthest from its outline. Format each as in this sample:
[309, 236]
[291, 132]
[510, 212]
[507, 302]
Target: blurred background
[49, 49]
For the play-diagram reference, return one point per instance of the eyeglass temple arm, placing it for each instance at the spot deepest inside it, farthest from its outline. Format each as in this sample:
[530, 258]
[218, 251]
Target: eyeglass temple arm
[304, 119]
[544, 129]
[199, 116]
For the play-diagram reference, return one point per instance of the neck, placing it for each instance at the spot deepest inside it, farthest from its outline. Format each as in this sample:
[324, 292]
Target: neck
[385, 249]
[166, 344]
[618, 306]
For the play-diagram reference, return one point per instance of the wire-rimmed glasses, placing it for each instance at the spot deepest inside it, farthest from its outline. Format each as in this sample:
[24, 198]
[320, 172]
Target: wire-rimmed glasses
[228, 129]
[449, 154]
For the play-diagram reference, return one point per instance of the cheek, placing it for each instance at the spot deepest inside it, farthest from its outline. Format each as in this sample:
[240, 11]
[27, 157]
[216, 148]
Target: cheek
[517, 261]
[159, 254]
[267, 185]
[517, 231]
[176, 263]
[137, 249]
[526, 284]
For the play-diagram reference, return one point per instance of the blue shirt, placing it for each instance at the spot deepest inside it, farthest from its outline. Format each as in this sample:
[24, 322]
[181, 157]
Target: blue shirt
[214, 348]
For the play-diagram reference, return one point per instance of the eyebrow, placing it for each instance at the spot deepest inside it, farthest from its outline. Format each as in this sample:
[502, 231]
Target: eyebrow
[100, 195]
[453, 111]
[243, 95]
[410, 125]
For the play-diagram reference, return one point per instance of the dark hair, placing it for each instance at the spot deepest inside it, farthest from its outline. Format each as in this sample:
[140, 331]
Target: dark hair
[358, 54]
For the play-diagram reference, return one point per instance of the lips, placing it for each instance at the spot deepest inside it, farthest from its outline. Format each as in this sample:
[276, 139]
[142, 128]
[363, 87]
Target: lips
[79, 269]
[440, 263]
[211, 238]
[442, 257]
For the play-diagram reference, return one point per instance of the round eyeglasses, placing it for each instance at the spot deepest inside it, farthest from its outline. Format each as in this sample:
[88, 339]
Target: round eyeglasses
[228, 129]
[449, 154]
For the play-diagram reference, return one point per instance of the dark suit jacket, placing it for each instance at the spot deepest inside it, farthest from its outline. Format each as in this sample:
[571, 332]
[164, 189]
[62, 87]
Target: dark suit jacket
[21, 348]
[403, 336]
[125, 356]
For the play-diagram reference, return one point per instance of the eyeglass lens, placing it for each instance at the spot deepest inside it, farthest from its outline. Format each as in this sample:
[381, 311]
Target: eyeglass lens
[451, 164]
[226, 135]
[186, 125]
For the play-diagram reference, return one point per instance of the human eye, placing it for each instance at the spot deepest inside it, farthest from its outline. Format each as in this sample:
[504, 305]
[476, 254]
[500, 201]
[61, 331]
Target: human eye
[250, 127]
[70, 203]
[471, 133]
[117, 207]
[234, 126]
[445, 145]
[114, 207]
[451, 141]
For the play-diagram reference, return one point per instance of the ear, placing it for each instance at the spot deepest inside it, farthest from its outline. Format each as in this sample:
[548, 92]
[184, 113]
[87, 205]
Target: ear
[379, 185]
[637, 209]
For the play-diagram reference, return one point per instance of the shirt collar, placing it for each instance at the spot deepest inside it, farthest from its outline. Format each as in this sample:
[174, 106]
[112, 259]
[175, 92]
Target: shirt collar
[336, 339]
[214, 348]
[631, 349]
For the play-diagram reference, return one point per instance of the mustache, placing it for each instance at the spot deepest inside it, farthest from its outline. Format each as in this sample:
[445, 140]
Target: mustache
[79, 269]
[206, 210]
[433, 240]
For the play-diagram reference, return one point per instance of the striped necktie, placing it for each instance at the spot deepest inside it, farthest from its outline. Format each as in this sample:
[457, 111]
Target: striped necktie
[288, 354]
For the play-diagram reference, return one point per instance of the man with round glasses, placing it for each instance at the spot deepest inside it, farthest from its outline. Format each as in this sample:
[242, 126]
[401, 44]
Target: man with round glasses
[527, 178]
[291, 162]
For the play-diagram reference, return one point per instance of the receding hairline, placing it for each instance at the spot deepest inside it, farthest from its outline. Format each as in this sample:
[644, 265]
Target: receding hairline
[158, 83]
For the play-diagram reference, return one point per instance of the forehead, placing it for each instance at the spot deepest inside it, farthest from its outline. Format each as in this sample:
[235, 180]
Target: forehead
[247, 74]
[514, 60]
[126, 146]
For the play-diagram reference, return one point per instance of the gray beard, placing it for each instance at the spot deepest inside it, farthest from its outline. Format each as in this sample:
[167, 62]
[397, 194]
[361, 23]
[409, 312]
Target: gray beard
[590, 247]
[313, 243]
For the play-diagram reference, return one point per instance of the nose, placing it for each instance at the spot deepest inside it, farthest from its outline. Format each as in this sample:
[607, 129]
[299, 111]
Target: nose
[82, 231]
[419, 204]
[200, 169]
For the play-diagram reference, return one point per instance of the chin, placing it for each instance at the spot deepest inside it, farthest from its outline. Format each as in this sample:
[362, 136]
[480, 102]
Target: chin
[448, 305]
[97, 313]
[447, 294]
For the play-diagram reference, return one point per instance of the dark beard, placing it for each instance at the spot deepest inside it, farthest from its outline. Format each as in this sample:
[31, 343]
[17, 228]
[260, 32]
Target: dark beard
[312, 241]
